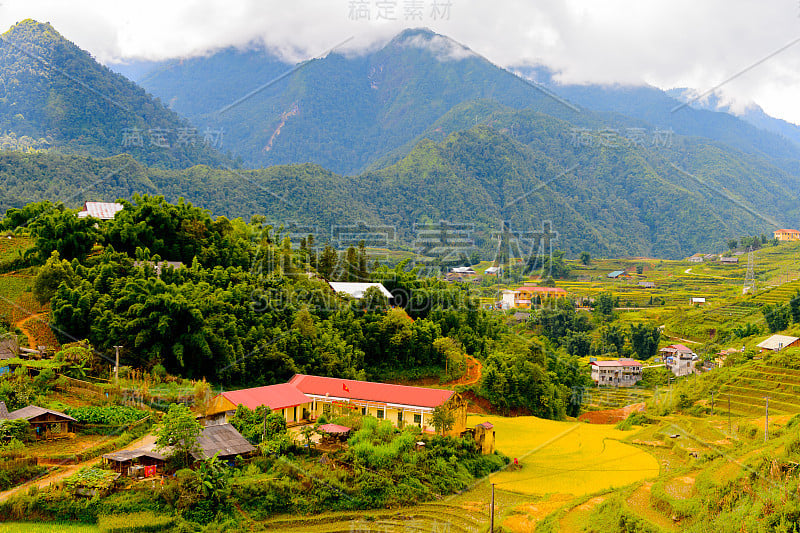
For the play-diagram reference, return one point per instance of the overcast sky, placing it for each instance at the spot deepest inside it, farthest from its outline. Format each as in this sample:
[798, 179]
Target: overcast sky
[667, 43]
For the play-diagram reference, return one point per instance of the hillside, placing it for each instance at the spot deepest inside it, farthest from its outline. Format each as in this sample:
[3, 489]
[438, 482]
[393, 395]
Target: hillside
[341, 111]
[55, 96]
[611, 201]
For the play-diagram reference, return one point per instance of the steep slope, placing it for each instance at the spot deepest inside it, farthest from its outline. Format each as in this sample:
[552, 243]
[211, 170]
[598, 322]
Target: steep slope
[519, 171]
[341, 111]
[54, 95]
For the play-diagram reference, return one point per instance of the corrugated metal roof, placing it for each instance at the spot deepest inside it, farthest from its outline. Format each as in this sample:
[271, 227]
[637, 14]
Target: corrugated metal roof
[101, 210]
[273, 396]
[369, 391]
[222, 439]
[357, 290]
[128, 455]
[776, 342]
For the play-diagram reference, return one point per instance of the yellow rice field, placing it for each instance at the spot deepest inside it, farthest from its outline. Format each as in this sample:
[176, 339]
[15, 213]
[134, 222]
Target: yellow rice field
[566, 457]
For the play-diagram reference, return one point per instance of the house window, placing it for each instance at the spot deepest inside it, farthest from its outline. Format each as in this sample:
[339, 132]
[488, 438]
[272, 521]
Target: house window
[326, 409]
[363, 410]
[380, 413]
[399, 416]
[418, 419]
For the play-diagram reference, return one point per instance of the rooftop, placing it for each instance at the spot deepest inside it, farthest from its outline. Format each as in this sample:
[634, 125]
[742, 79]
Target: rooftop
[618, 362]
[370, 391]
[32, 411]
[101, 210]
[357, 290]
[223, 440]
[273, 396]
[776, 342]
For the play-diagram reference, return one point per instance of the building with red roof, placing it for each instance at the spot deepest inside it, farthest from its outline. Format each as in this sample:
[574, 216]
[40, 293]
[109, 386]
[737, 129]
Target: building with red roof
[306, 398]
[284, 398]
[401, 404]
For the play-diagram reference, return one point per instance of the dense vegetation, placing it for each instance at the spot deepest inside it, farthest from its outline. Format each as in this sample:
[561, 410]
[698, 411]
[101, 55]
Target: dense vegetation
[53, 95]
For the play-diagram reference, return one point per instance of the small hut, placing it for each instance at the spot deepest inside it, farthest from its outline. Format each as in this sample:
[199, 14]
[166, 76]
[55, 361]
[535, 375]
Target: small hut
[46, 423]
[223, 441]
[483, 435]
[136, 463]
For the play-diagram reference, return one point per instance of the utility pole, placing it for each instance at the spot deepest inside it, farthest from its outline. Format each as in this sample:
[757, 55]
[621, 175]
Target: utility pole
[491, 513]
[116, 366]
[729, 415]
[766, 418]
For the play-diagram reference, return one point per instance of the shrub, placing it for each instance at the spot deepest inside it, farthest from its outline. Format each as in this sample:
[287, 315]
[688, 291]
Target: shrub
[141, 521]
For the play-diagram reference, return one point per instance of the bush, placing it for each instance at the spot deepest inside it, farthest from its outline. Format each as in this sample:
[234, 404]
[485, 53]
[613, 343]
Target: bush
[636, 418]
[141, 521]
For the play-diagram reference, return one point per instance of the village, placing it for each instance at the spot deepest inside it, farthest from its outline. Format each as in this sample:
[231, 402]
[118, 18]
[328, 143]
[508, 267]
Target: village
[87, 426]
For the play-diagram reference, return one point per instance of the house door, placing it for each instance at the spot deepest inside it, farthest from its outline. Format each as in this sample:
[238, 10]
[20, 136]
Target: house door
[295, 414]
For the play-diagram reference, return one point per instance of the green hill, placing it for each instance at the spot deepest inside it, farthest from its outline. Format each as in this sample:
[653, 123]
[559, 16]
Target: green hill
[53, 95]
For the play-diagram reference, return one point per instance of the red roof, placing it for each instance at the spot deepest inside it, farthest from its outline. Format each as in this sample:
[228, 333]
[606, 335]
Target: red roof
[786, 231]
[273, 396]
[676, 348]
[333, 428]
[620, 362]
[369, 391]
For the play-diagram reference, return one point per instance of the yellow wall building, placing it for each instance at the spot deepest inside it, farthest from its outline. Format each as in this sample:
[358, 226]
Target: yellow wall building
[306, 398]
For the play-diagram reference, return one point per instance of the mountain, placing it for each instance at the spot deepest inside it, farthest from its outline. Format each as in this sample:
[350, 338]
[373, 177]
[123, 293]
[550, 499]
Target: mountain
[519, 170]
[753, 114]
[661, 110]
[53, 95]
[350, 113]
[341, 111]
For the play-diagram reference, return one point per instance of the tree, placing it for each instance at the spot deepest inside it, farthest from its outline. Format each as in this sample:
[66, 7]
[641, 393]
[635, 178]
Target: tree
[604, 304]
[442, 419]
[794, 305]
[578, 343]
[776, 316]
[54, 272]
[639, 269]
[613, 337]
[328, 261]
[732, 244]
[586, 258]
[644, 340]
[308, 433]
[180, 431]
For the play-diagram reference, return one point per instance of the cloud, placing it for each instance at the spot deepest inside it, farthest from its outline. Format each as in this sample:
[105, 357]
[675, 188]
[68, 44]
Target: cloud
[666, 43]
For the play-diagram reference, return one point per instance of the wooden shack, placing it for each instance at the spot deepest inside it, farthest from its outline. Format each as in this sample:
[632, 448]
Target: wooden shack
[136, 463]
[223, 441]
[45, 423]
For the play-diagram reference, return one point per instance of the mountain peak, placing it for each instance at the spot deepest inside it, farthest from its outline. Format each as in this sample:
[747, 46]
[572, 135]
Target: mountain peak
[442, 47]
[33, 29]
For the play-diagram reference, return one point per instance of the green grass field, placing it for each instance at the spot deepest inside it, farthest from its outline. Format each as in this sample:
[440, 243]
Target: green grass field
[51, 527]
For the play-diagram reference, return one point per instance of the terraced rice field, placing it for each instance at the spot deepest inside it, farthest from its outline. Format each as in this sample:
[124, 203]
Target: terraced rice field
[748, 390]
[602, 398]
[467, 512]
